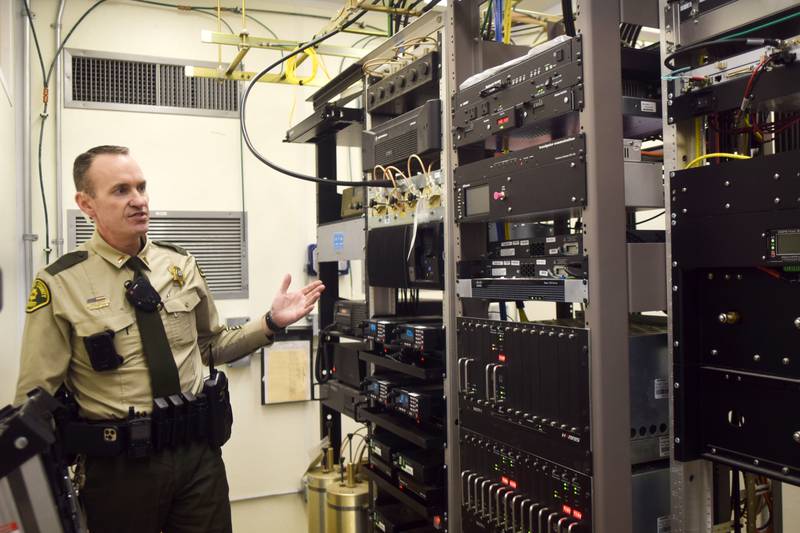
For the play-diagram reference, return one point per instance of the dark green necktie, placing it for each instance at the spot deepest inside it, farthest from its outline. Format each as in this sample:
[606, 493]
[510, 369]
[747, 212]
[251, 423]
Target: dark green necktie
[164, 378]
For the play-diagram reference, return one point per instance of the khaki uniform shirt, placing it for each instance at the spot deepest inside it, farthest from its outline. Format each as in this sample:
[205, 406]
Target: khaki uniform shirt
[89, 298]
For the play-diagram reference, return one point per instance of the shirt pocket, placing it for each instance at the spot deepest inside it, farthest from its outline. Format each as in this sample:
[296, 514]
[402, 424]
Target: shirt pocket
[127, 342]
[179, 319]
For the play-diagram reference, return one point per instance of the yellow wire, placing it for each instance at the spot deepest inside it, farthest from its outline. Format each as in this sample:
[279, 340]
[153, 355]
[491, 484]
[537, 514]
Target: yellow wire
[421, 163]
[717, 154]
[507, 9]
[291, 65]
[393, 168]
[757, 135]
[244, 16]
[384, 174]
[698, 135]
[291, 109]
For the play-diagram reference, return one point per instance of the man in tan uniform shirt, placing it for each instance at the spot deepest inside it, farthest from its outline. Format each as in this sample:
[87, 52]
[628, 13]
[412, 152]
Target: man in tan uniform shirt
[181, 490]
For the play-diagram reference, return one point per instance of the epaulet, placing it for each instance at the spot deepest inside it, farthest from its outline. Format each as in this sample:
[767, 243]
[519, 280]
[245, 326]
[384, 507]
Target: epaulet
[67, 261]
[171, 246]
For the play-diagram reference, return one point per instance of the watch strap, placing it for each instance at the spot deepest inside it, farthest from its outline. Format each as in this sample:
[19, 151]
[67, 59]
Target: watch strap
[273, 327]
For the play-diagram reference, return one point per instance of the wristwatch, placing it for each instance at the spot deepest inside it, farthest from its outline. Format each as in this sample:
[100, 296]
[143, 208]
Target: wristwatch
[273, 327]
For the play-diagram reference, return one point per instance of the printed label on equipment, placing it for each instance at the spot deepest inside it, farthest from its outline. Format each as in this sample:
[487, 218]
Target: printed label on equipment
[377, 451]
[541, 262]
[338, 241]
[407, 469]
[382, 527]
[663, 446]
[648, 106]
[550, 239]
[544, 273]
[499, 271]
[508, 252]
[553, 251]
[663, 524]
[661, 387]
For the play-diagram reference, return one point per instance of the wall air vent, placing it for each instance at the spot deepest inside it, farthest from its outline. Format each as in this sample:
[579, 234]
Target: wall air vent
[216, 239]
[118, 82]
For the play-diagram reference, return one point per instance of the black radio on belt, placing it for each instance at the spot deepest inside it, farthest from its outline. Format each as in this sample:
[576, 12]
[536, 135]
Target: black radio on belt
[218, 405]
[140, 436]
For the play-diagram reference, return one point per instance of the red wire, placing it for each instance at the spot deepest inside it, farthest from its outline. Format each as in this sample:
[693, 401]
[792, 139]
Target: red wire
[749, 85]
[789, 124]
[770, 272]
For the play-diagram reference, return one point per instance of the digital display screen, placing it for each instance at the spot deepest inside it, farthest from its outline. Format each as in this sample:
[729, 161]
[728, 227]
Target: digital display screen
[789, 244]
[476, 200]
[373, 328]
[410, 333]
[402, 399]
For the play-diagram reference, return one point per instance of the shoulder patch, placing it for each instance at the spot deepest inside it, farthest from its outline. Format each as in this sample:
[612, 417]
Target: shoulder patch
[39, 297]
[173, 247]
[67, 261]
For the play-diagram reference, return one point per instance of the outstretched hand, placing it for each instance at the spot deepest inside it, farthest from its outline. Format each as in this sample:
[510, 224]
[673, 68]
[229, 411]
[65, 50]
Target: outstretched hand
[289, 307]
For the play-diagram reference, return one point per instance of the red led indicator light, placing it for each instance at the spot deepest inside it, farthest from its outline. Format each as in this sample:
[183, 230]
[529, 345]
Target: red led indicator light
[501, 358]
[566, 508]
[512, 484]
[504, 479]
[437, 521]
[503, 121]
[577, 514]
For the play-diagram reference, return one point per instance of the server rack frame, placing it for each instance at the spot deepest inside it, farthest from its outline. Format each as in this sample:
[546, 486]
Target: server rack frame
[695, 484]
[608, 292]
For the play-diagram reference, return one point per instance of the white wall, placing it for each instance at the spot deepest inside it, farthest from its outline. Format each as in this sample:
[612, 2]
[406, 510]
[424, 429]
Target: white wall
[10, 216]
[192, 163]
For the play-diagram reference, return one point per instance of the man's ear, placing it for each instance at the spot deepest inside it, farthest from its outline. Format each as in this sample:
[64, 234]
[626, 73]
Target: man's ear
[85, 204]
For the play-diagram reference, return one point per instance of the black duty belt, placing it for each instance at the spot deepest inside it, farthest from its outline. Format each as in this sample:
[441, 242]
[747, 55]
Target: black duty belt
[175, 421]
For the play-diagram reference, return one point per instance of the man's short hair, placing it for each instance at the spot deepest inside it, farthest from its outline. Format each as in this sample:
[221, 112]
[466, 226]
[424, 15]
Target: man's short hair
[84, 161]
